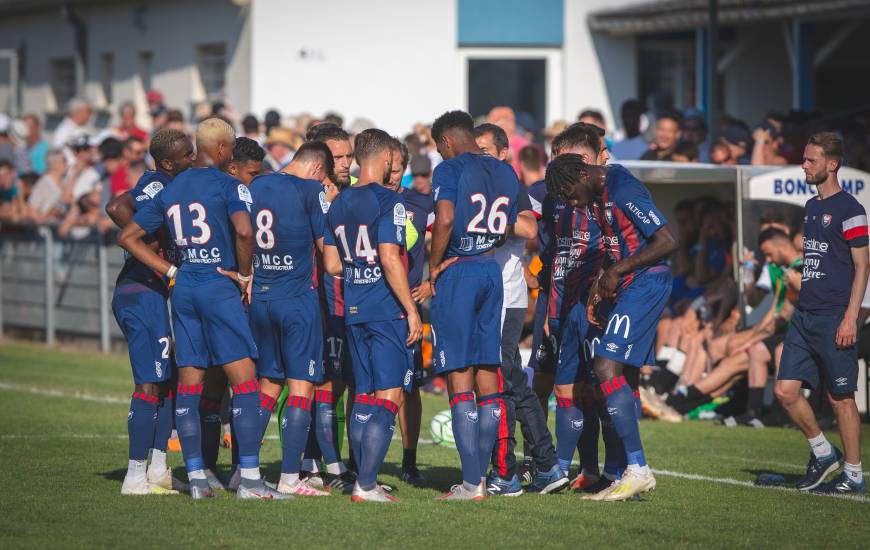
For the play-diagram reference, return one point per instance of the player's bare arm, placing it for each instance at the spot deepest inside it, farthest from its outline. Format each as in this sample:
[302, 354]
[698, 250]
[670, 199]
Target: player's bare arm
[397, 278]
[847, 331]
[132, 239]
[526, 226]
[120, 209]
[661, 244]
[244, 249]
[331, 260]
[441, 230]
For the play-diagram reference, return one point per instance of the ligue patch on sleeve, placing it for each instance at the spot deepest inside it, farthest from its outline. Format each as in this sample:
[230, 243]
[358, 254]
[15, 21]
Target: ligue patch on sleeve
[324, 204]
[245, 195]
[399, 214]
[152, 189]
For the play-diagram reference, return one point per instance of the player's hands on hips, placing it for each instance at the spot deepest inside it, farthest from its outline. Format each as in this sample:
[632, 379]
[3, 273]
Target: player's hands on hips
[422, 292]
[607, 284]
[847, 332]
[438, 269]
[244, 285]
[415, 328]
[592, 308]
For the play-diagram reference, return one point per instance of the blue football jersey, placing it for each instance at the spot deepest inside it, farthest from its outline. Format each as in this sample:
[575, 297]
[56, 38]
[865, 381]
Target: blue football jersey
[134, 271]
[197, 209]
[628, 218]
[287, 218]
[359, 219]
[484, 193]
[421, 213]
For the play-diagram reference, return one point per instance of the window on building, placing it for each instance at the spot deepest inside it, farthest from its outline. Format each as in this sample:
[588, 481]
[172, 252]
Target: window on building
[667, 71]
[146, 68]
[211, 65]
[62, 76]
[517, 83]
[107, 76]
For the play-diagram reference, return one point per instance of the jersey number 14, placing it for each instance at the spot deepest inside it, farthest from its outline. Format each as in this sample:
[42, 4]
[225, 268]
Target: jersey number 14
[363, 246]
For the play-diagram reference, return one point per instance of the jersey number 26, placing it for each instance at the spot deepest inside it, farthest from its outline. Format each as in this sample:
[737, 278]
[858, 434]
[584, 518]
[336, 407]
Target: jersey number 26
[496, 216]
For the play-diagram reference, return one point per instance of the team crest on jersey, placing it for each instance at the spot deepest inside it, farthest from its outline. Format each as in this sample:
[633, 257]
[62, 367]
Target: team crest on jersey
[324, 204]
[399, 214]
[608, 212]
[826, 220]
[245, 196]
[472, 416]
[407, 377]
[152, 189]
[158, 369]
[496, 413]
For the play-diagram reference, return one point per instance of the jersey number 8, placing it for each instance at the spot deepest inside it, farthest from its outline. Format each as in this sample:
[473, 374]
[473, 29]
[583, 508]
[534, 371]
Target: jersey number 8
[265, 237]
[496, 221]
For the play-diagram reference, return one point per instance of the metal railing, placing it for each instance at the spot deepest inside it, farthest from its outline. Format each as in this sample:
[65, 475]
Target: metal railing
[54, 285]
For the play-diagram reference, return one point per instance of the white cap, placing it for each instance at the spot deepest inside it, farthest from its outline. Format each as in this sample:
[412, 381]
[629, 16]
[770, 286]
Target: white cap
[5, 123]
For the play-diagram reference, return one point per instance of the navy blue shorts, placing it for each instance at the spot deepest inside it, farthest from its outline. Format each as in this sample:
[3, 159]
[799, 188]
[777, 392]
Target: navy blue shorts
[544, 348]
[810, 348]
[289, 337]
[630, 324]
[380, 358]
[466, 315]
[336, 357]
[210, 323]
[143, 316]
[577, 348]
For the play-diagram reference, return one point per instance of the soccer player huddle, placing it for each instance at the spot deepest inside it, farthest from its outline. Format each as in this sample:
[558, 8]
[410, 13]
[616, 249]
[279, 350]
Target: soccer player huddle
[306, 282]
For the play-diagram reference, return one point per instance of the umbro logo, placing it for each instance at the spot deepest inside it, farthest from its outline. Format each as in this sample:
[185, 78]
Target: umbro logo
[841, 381]
[181, 412]
[472, 416]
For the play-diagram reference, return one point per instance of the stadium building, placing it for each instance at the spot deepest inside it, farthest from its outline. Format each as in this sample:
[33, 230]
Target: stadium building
[548, 58]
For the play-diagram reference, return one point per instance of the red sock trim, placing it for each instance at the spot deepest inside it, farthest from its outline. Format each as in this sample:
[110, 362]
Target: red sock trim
[460, 397]
[387, 404]
[565, 402]
[268, 402]
[249, 386]
[190, 389]
[142, 396]
[324, 396]
[612, 385]
[170, 394]
[299, 402]
[210, 405]
[636, 394]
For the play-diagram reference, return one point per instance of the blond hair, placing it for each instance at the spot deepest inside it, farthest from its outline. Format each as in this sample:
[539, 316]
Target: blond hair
[214, 130]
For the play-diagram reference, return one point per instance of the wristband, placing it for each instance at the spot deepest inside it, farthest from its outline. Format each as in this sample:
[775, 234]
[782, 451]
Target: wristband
[171, 271]
[244, 278]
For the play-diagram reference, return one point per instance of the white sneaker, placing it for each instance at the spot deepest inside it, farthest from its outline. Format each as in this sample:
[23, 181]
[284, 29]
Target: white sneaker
[144, 488]
[632, 483]
[213, 481]
[375, 495]
[459, 492]
[302, 489]
[167, 481]
[261, 492]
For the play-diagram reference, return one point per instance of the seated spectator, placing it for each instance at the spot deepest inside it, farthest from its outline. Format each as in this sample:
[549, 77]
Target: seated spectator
[83, 177]
[685, 152]
[34, 144]
[720, 153]
[9, 194]
[693, 130]
[633, 146]
[765, 149]
[134, 150]
[46, 201]
[666, 137]
[736, 136]
[127, 127]
[175, 120]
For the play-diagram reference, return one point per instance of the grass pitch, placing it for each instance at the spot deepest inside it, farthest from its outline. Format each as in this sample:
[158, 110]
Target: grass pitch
[63, 454]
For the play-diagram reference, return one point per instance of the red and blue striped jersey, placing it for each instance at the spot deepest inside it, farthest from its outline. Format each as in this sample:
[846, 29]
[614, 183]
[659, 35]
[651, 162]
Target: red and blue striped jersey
[628, 218]
[546, 212]
[578, 252]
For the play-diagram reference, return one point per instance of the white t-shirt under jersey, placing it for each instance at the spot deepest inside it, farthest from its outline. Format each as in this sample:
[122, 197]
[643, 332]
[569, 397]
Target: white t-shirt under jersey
[510, 258]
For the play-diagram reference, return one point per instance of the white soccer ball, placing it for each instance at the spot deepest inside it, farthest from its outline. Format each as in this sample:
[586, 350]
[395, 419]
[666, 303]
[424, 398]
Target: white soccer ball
[441, 429]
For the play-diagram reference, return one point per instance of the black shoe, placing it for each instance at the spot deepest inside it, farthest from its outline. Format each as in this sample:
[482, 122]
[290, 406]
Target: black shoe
[412, 476]
[315, 479]
[818, 469]
[526, 473]
[342, 482]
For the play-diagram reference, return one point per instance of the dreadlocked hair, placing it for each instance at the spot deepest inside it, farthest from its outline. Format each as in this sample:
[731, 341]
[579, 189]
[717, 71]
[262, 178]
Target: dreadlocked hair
[563, 171]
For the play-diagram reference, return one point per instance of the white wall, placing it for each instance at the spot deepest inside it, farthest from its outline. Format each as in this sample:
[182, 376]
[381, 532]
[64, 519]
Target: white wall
[392, 61]
[600, 70]
[172, 30]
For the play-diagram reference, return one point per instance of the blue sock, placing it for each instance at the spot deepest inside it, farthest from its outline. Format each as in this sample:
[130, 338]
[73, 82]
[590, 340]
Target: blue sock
[614, 452]
[210, 426]
[187, 425]
[312, 449]
[588, 444]
[295, 424]
[267, 405]
[141, 423]
[163, 428]
[466, 434]
[247, 422]
[362, 413]
[490, 410]
[622, 407]
[324, 404]
[376, 441]
[569, 428]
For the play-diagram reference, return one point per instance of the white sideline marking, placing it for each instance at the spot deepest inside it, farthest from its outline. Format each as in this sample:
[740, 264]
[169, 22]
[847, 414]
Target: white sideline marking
[762, 462]
[49, 392]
